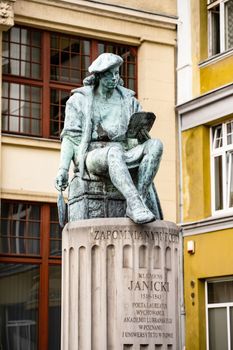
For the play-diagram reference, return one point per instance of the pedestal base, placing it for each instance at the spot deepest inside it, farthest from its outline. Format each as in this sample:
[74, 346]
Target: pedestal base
[120, 285]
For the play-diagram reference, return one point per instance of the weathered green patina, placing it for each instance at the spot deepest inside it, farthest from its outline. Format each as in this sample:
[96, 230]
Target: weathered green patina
[106, 137]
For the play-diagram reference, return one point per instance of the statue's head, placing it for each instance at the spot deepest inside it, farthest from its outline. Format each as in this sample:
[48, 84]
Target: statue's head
[105, 68]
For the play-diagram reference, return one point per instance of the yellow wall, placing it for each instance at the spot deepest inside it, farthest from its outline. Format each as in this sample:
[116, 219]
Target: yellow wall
[216, 74]
[203, 30]
[195, 45]
[213, 258]
[29, 168]
[196, 173]
[156, 92]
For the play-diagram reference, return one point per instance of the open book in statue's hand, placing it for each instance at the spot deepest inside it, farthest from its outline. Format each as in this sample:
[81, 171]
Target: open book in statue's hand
[140, 124]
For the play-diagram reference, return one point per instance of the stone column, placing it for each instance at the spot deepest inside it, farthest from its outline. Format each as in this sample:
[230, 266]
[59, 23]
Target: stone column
[120, 285]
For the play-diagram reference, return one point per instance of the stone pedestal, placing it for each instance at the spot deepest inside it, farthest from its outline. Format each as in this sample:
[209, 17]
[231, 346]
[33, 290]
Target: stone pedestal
[120, 285]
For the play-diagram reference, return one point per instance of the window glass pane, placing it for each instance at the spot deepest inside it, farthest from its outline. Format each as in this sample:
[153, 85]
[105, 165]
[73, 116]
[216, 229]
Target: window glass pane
[35, 126]
[100, 48]
[215, 29]
[36, 38]
[14, 123]
[20, 229]
[35, 111]
[54, 42]
[14, 67]
[230, 133]
[15, 51]
[229, 24]
[131, 84]
[54, 307]
[86, 47]
[35, 94]
[53, 214]
[35, 70]
[68, 57]
[218, 329]
[217, 137]
[36, 54]
[21, 48]
[19, 306]
[229, 179]
[58, 100]
[220, 292]
[24, 125]
[18, 104]
[25, 36]
[218, 183]
[15, 34]
[55, 233]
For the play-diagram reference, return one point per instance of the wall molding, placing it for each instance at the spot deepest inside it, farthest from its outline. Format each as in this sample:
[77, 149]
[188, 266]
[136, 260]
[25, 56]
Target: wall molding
[206, 108]
[208, 225]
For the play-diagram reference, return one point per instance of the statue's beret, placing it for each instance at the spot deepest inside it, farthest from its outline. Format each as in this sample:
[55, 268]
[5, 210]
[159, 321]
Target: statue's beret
[104, 62]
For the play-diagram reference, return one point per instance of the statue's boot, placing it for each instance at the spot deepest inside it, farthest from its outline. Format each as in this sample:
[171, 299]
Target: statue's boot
[137, 211]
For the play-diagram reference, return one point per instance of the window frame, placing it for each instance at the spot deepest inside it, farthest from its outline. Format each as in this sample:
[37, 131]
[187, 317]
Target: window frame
[226, 305]
[44, 260]
[222, 26]
[221, 152]
[47, 84]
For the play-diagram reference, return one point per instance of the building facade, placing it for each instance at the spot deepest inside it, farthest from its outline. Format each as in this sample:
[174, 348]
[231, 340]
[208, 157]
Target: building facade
[205, 114]
[47, 46]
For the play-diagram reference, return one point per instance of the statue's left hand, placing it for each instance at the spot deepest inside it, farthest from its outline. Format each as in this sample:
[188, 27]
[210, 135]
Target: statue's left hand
[61, 181]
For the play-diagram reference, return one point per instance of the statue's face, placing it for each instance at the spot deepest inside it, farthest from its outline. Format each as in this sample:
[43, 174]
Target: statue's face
[110, 78]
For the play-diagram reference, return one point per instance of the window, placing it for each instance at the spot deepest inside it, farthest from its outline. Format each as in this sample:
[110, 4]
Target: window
[30, 276]
[40, 69]
[219, 314]
[222, 167]
[220, 17]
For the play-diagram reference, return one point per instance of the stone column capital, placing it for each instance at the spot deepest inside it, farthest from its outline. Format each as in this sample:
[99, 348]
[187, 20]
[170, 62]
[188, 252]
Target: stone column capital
[6, 14]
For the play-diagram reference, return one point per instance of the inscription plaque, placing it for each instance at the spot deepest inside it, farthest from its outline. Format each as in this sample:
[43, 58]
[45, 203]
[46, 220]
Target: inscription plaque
[125, 281]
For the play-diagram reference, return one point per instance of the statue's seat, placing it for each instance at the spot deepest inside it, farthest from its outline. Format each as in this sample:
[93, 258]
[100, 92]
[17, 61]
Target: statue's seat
[94, 198]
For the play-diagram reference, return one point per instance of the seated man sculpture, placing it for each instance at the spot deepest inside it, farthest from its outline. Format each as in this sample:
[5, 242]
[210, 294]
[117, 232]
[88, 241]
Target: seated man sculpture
[97, 140]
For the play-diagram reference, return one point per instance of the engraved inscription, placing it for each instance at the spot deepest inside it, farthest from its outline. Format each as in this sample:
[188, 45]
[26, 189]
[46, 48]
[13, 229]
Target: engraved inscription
[147, 315]
[170, 236]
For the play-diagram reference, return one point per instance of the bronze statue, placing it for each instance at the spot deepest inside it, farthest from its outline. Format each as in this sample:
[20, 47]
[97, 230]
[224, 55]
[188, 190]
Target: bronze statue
[106, 137]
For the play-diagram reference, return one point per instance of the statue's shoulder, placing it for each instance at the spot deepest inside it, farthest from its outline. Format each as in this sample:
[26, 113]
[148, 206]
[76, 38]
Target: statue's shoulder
[84, 90]
[79, 95]
[125, 92]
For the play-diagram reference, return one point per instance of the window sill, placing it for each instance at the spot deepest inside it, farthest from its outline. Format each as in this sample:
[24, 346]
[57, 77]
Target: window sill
[216, 58]
[28, 141]
[217, 222]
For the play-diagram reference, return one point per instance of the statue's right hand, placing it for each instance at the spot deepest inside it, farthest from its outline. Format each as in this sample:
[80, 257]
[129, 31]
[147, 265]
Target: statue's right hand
[61, 181]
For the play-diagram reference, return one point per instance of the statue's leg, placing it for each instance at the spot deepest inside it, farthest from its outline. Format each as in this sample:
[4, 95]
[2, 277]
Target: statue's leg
[149, 165]
[112, 159]
[147, 158]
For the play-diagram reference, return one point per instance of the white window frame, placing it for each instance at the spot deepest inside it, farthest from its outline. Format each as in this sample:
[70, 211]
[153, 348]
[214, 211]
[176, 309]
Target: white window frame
[226, 305]
[210, 6]
[215, 152]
